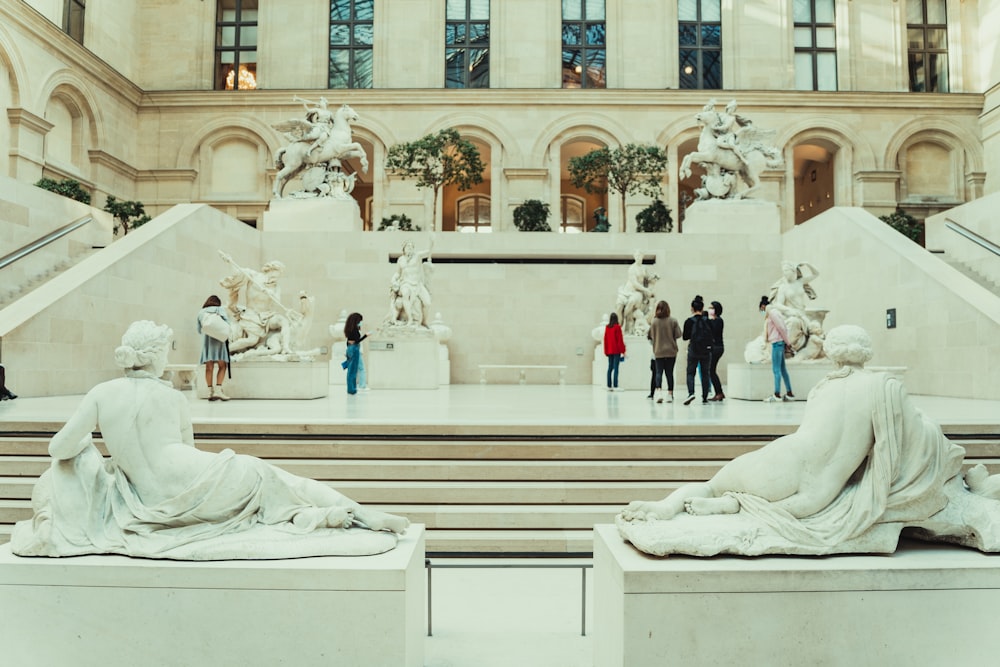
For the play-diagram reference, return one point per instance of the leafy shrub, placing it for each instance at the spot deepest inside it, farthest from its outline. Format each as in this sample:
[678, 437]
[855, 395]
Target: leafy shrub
[904, 223]
[532, 216]
[654, 218]
[398, 222]
[128, 215]
[66, 187]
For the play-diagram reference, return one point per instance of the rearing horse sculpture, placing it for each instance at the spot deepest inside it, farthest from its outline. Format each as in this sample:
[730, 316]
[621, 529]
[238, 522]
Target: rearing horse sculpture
[334, 143]
[729, 145]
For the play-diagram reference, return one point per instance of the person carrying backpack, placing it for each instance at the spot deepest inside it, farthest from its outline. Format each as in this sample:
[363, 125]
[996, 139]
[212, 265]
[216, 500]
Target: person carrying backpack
[698, 333]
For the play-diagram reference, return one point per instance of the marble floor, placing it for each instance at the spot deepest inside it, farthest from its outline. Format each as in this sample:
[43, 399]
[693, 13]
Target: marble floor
[491, 616]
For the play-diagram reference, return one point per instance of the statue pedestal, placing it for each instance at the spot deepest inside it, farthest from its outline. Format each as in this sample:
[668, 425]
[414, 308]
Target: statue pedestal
[739, 216]
[755, 382]
[109, 610]
[273, 379]
[850, 610]
[633, 373]
[410, 360]
[317, 214]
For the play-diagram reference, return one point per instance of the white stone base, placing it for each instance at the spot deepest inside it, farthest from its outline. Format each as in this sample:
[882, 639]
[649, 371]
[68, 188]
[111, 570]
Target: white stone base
[633, 373]
[274, 379]
[755, 382]
[113, 610]
[321, 214]
[403, 362]
[925, 605]
[743, 216]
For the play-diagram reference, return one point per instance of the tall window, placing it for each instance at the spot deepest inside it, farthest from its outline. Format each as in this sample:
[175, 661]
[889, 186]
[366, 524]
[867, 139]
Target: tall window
[236, 45]
[351, 35]
[815, 45]
[571, 214]
[467, 44]
[699, 26]
[927, 37]
[584, 48]
[73, 14]
[472, 214]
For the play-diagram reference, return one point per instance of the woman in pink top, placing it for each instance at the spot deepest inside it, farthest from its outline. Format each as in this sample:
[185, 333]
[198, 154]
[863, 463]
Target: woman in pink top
[776, 333]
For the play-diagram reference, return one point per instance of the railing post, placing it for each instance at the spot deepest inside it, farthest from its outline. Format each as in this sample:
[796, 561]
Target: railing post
[427, 564]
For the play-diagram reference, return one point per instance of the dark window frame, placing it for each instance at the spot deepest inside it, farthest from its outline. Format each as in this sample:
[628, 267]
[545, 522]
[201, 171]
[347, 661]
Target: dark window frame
[582, 52]
[814, 50]
[238, 24]
[354, 48]
[926, 83]
[697, 79]
[74, 15]
[465, 36]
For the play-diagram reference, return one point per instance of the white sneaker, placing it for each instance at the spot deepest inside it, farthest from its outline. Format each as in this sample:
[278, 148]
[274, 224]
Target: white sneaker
[689, 400]
[670, 398]
[772, 399]
[219, 394]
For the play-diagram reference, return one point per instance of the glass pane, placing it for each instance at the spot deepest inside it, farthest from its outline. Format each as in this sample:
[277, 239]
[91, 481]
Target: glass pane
[687, 10]
[939, 72]
[340, 10]
[483, 210]
[248, 15]
[802, 11]
[572, 10]
[826, 71]
[247, 57]
[364, 10]
[936, 13]
[571, 33]
[450, 32]
[914, 11]
[826, 38]
[711, 10]
[479, 68]
[226, 36]
[363, 34]
[688, 60]
[362, 68]
[711, 34]
[595, 34]
[916, 63]
[937, 38]
[248, 36]
[459, 33]
[803, 38]
[595, 10]
[596, 72]
[340, 60]
[711, 65]
[688, 34]
[479, 10]
[803, 71]
[227, 57]
[915, 38]
[340, 35]
[454, 68]
[479, 33]
[824, 11]
[466, 212]
[571, 68]
[455, 10]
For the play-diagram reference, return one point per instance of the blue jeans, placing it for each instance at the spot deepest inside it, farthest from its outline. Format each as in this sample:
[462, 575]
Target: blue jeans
[353, 360]
[778, 367]
[613, 361]
[362, 375]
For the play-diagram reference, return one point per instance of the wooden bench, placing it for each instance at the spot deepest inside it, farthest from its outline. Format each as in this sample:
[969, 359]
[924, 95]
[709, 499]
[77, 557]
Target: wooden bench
[522, 369]
[181, 375]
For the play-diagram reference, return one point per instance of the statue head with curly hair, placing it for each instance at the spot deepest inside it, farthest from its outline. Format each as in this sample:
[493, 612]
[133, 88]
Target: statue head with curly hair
[144, 347]
[848, 345]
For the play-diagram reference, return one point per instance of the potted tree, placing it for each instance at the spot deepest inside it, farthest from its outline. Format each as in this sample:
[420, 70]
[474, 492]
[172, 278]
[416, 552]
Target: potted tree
[630, 169]
[532, 216]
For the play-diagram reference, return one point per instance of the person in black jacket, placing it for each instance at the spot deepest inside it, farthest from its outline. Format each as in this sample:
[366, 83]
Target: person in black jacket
[718, 347]
[698, 333]
[352, 330]
[5, 393]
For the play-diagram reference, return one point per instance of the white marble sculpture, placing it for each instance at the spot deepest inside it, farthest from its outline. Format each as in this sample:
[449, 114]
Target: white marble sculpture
[731, 150]
[158, 496]
[263, 327]
[409, 290]
[864, 464]
[790, 295]
[318, 145]
[635, 298]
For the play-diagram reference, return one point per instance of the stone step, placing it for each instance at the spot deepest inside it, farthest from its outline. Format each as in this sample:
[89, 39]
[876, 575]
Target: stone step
[506, 542]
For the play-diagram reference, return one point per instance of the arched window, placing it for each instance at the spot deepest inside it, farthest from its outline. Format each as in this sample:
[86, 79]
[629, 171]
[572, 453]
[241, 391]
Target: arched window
[571, 214]
[472, 214]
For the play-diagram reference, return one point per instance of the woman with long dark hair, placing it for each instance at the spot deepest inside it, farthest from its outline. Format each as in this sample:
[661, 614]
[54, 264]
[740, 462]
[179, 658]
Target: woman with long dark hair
[664, 332]
[214, 352]
[614, 349]
[352, 330]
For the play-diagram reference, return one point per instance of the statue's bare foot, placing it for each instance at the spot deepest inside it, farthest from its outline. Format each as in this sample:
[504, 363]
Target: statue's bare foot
[339, 517]
[377, 520]
[705, 506]
[975, 476]
[639, 510]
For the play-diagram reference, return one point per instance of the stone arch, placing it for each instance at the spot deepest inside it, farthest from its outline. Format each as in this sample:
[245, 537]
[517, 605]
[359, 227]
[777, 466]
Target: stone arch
[917, 148]
[942, 131]
[597, 127]
[11, 60]
[87, 128]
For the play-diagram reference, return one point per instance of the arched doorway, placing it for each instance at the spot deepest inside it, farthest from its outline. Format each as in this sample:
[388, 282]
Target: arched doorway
[813, 175]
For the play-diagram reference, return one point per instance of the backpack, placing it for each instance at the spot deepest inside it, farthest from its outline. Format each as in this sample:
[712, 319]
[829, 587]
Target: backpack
[701, 334]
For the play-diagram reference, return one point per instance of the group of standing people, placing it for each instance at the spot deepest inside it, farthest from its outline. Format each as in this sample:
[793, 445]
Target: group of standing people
[704, 333]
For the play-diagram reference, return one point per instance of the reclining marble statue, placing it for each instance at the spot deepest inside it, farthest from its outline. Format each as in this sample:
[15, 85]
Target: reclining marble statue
[158, 496]
[864, 464]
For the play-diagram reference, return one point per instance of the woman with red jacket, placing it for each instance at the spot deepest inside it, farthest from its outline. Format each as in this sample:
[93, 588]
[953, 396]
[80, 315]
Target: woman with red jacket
[614, 349]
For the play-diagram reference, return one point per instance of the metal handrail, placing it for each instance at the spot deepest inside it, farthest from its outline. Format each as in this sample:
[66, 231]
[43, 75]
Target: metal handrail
[972, 236]
[9, 259]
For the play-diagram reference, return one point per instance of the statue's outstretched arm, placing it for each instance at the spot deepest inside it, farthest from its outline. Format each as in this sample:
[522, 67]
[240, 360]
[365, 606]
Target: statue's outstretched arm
[73, 437]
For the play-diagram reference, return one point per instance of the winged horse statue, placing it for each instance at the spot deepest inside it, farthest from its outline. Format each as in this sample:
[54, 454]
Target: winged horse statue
[729, 148]
[323, 137]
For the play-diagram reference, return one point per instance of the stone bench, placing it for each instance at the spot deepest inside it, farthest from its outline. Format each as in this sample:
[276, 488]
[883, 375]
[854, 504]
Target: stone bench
[522, 369]
[181, 375]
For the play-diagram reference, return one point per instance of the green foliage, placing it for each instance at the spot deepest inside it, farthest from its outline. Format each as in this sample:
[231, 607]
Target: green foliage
[904, 223]
[532, 216]
[66, 187]
[128, 215]
[398, 222]
[654, 218]
[437, 160]
[629, 170]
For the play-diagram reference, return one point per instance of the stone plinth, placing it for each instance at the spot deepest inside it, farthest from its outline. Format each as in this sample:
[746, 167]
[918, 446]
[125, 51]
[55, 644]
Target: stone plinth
[406, 361]
[114, 610]
[755, 382]
[633, 373]
[914, 607]
[320, 214]
[273, 379]
[742, 216]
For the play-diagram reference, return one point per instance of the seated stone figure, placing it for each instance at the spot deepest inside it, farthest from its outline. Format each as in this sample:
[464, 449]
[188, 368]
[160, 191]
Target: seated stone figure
[863, 457]
[160, 497]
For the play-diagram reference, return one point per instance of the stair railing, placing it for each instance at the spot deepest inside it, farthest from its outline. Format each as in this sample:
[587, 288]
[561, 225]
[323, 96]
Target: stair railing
[972, 236]
[55, 234]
